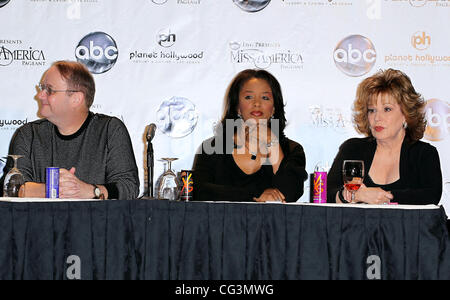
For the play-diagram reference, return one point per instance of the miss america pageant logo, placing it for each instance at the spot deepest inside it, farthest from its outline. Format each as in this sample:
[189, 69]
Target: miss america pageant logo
[27, 56]
[262, 55]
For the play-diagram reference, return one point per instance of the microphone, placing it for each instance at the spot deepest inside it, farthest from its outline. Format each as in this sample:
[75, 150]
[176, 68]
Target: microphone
[151, 132]
[150, 159]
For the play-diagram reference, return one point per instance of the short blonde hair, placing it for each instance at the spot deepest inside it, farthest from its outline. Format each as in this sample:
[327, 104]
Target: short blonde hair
[397, 85]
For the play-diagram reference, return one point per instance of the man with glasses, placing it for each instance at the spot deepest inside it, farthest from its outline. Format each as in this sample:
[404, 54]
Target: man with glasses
[93, 151]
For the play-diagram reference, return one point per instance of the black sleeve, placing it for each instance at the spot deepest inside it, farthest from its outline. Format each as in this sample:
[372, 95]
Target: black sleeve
[206, 188]
[428, 183]
[122, 180]
[291, 174]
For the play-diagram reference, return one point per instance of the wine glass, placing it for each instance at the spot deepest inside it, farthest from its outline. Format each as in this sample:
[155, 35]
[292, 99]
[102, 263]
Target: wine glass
[167, 185]
[14, 181]
[353, 175]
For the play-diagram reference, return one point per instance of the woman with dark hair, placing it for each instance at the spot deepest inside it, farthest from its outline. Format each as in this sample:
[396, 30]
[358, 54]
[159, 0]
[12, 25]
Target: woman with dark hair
[250, 158]
[399, 167]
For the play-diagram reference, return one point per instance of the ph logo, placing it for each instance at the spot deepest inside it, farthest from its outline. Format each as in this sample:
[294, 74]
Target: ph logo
[3, 3]
[420, 40]
[437, 113]
[97, 51]
[166, 38]
[355, 55]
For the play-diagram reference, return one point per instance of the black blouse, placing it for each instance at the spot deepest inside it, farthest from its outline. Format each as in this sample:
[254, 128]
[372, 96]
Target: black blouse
[217, 177]
[420, 171]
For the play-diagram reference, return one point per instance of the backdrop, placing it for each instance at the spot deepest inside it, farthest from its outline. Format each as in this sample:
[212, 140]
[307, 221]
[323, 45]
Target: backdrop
[169, 62]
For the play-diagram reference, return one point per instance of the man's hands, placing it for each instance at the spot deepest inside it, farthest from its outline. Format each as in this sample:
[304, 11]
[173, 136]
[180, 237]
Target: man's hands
[70, 187]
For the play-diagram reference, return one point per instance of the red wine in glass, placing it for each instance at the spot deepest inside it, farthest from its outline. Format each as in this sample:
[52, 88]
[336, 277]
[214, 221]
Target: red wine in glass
[353, 175]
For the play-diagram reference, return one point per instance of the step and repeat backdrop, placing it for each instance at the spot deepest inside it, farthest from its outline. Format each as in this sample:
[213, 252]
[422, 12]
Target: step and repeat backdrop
[169, 62]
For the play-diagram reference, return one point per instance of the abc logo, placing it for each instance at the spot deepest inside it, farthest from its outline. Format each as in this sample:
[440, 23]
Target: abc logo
[355, 55]
[159, 1]
[97, 51]
[251, 5]
[437, 113]
[420, 40]
[166, 38]
[3, 2]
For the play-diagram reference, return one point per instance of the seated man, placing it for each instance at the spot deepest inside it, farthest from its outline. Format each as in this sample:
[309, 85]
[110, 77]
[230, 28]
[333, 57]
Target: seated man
[93, 151]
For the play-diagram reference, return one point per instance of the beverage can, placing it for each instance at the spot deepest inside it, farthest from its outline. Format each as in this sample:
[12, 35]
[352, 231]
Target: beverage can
[52, 183]
[320, 184]
[187, 185]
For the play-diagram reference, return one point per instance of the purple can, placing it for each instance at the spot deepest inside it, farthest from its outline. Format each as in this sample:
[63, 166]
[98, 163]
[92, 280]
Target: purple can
[52, 183]
[320, 187]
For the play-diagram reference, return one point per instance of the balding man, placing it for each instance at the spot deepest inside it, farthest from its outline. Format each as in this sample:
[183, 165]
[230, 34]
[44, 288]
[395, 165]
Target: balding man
[93, 151]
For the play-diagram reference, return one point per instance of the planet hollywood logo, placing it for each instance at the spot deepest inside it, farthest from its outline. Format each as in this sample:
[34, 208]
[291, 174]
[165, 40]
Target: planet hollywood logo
[251, 5]
[177, 117]
[263, 55]
[437, 114]
[3, 3]
[27, 56]
[166, 38]
[355, 55]
[12, 124]
[97, 51]
[420, 41]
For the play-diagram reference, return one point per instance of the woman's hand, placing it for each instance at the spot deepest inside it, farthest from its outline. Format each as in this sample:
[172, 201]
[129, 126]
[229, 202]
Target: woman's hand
[372, 195]
[270, 195]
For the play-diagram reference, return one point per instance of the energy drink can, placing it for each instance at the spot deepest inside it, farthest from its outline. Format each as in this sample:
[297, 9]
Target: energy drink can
[52, 183]
[187, 186]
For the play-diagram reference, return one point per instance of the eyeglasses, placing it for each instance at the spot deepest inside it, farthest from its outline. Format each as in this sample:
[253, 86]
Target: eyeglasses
[49, 91]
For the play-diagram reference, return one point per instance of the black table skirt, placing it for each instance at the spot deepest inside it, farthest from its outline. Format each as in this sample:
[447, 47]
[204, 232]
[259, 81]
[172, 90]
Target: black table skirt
[157, 239]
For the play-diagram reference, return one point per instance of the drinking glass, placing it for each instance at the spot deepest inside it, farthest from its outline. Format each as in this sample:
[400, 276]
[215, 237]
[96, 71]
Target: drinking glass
[167, 185]
[14, 181]
[353, 175]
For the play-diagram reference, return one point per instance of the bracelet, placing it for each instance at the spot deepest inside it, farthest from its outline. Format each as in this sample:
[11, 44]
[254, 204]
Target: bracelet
[341, 196]
[271, 143]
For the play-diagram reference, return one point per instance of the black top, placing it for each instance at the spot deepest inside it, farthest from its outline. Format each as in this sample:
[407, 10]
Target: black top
[218, 178]
[420, 171]
[101, 151]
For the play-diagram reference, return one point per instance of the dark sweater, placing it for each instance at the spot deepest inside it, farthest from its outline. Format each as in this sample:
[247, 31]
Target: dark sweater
[218, 178]
[101, 151]
[420, 171]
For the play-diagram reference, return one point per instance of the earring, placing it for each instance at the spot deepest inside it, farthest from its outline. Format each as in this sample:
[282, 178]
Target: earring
[405, 125]
[239, 116]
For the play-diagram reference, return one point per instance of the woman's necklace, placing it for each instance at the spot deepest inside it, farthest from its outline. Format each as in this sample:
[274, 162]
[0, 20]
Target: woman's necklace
[253, 155]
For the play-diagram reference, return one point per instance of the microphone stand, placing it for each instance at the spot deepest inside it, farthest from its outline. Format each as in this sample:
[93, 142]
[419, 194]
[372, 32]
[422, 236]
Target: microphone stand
[150, 165]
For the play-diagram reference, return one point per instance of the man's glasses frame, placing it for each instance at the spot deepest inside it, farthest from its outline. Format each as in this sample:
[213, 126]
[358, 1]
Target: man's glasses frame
[49, 91]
